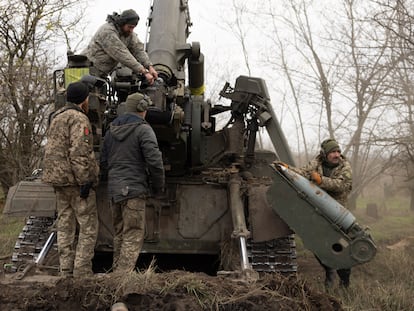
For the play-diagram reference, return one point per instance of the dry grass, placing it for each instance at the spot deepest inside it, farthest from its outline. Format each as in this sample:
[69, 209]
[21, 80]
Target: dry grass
[386, 283]
[202, 292]
[10, 229]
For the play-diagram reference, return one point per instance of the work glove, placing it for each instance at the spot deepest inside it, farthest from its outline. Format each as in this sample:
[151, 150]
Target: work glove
[280, 163]
[316, 178]
[84, 190]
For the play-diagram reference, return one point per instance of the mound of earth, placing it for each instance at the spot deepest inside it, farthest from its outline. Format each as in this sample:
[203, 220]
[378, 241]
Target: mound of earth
[176, 290]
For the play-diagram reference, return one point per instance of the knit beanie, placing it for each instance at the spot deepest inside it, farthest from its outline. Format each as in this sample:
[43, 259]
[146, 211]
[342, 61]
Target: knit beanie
[129, 17]
[77, 92]
[137, 102]
[330, 145]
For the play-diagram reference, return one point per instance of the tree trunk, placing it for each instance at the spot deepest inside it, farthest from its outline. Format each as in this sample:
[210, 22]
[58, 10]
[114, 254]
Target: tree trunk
[412, 199]
[352, 201]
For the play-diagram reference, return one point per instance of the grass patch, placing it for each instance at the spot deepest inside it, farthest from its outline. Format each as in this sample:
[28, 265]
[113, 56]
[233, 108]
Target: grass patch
[384, 284]
[10, 229]
[397, 203]
[392, 228]
[395, 220]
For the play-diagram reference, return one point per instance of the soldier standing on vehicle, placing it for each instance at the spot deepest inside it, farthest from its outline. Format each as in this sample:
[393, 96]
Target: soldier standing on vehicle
[69, 165]
[115, 42]
[132, 157]
[332, 172]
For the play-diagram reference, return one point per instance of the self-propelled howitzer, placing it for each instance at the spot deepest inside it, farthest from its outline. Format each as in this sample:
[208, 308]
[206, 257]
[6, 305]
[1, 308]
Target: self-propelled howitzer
[219, 186]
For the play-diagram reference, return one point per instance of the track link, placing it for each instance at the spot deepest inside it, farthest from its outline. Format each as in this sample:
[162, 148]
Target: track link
[30, 241]
[277, 255]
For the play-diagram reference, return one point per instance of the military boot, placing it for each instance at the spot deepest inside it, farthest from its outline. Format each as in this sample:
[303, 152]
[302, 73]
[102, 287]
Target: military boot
[344, 276]
[329, 277]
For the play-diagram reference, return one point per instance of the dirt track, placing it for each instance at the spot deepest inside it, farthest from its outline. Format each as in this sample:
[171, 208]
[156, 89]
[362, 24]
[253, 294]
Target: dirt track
[176, 290]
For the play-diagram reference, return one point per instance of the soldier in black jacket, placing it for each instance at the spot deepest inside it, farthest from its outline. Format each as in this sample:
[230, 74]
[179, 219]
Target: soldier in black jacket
[132, 157]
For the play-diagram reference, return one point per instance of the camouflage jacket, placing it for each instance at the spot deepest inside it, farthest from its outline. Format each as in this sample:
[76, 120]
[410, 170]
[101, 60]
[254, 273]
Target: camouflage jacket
[336, 181]
[108, 47]
[132, 157]
[69, 159]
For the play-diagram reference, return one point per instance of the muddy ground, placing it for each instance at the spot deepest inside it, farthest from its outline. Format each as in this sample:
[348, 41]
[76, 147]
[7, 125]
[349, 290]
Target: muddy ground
[175, 290]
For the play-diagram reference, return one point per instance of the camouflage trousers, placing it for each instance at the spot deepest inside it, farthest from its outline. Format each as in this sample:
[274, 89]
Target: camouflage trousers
[76, 256]
[129, 226]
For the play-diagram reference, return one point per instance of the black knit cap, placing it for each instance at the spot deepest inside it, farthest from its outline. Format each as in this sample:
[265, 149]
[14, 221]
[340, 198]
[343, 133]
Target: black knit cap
[129, 17]
[77, 92]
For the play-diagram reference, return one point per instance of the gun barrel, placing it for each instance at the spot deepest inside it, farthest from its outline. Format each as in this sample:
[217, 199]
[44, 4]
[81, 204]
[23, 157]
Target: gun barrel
[170, 22]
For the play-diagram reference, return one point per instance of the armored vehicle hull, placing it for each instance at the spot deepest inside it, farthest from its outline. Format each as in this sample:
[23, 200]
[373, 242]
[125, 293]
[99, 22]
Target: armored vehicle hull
[223, 195]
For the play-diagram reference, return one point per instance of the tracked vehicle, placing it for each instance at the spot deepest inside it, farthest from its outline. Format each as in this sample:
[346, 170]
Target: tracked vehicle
[220, 188]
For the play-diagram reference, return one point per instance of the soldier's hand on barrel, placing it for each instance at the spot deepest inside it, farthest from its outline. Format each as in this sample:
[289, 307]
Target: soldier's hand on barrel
[316, 178]
[278, 164]
[148, 76]
[153, 72]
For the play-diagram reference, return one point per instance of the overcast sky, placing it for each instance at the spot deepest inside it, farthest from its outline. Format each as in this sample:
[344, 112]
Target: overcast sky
[216, 43]
[203, 16]
[266, 38]
[222, 52]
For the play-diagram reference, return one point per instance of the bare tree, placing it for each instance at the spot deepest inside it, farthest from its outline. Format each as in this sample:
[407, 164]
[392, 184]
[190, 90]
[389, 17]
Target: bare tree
[240, 30]
[316, 72]
[27, 30]
[345, 66]
[372, 61]
[397, 18]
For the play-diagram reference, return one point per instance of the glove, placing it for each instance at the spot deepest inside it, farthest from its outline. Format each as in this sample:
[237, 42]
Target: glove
[316, 178]
[84, 190]
[280, 163]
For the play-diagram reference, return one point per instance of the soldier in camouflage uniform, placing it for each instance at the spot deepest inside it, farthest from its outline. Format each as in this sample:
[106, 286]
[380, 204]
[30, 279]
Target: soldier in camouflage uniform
[331, 171]
[132, 158]
[115, 42]
[69, 165]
